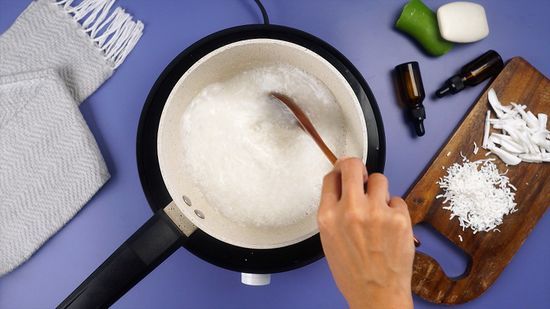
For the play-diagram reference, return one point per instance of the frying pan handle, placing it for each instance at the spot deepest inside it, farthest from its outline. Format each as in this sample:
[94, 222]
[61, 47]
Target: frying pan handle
[149, 246]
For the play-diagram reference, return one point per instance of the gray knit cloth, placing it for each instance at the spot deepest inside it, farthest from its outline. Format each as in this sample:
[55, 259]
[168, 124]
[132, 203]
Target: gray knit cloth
[53, 57]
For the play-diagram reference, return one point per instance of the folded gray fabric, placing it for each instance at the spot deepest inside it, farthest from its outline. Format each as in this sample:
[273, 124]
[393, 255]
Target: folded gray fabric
[54, 56]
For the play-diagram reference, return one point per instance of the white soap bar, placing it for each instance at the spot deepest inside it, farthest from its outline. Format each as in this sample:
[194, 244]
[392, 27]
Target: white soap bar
[462, 22]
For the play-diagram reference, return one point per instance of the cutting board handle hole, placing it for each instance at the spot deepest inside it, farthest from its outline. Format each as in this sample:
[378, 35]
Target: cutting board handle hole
[454, 262]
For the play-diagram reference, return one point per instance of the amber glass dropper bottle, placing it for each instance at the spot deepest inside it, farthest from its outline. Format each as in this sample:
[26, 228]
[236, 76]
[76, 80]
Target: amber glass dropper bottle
[411, 92]
[485, 66]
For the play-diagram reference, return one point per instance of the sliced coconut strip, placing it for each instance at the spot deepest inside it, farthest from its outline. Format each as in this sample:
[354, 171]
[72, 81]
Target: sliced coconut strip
[505, 156]
[535, 158]
[498, 123]
[506, 143]
[487, 128]
[495, 103]
[514, 134]
[542, 118]
[545, 145]
[531, 121]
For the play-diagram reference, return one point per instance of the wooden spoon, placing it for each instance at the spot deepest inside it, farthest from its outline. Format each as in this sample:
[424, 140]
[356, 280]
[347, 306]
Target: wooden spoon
[306, 124]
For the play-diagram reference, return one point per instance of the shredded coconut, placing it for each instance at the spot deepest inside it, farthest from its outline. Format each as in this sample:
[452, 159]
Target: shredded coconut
[247, 154]
[477, 194]
[460, 237]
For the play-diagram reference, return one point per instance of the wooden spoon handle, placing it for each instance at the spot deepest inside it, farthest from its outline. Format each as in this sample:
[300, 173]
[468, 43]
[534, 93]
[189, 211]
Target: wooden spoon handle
[306, 124]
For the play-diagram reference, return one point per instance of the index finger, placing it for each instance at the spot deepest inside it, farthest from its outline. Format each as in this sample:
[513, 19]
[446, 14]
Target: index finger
[354, 174]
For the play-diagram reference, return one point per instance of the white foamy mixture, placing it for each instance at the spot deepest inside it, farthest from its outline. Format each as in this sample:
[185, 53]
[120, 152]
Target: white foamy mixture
[246, 152]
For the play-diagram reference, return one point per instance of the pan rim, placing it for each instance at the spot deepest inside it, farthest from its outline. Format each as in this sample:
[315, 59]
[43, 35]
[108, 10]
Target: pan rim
[234, 233]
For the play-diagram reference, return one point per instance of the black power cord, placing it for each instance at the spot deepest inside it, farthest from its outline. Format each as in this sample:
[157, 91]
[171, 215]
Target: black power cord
[264, 12]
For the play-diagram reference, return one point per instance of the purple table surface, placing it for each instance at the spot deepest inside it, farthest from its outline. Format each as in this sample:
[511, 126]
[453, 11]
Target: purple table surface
[361, 30]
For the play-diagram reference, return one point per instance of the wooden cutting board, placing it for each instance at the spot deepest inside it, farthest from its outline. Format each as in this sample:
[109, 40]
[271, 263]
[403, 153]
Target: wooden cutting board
[490, 252]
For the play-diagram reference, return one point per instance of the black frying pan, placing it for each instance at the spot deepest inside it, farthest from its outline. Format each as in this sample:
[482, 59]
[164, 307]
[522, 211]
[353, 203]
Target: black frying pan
[169, 228]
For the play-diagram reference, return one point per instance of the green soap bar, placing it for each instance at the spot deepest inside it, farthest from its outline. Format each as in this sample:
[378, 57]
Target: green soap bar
[420, 22]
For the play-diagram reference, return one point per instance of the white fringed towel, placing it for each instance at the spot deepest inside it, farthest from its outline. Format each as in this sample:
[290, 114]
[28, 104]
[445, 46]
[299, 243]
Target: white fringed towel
[53, 57]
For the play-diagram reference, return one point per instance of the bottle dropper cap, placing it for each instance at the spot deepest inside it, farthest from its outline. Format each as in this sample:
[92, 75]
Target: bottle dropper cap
[411, 92]
[419, 128]
[452, 86]
[418, 115]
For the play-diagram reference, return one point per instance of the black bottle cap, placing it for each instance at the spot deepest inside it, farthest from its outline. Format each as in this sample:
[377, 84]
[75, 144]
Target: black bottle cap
[418, 115]
[452, 86]
[419, 127]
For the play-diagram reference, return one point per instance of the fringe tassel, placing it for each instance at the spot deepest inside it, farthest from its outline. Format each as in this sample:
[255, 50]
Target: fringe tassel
[114, 34]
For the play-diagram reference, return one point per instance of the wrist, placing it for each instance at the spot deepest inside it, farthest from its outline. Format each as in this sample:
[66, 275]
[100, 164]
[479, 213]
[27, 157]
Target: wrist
[373, 298]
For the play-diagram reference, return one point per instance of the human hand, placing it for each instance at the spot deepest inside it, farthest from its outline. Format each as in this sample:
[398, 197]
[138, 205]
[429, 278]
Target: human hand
[367, 237]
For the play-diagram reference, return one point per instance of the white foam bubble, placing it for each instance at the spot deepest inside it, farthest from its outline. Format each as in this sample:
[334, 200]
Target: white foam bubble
[246, 152]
